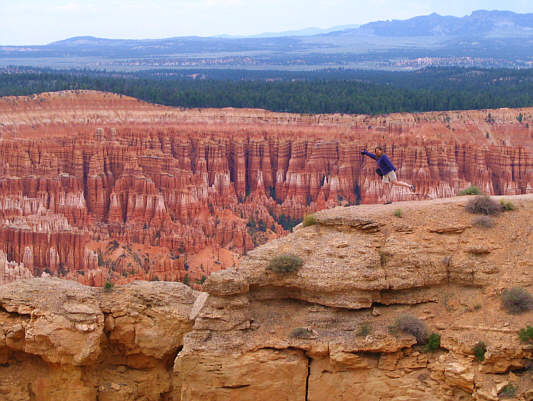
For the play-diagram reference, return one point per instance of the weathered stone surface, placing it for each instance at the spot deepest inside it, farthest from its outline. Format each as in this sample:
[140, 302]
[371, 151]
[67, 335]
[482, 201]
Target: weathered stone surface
[63, 340]
[326, 309]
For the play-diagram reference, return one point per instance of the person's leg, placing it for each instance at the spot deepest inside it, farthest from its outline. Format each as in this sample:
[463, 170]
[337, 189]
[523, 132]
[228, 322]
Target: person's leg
[387, 192]
[401, 184]
[394, 181]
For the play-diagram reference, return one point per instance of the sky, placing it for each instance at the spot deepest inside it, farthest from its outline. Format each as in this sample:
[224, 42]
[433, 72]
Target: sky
[35, 22]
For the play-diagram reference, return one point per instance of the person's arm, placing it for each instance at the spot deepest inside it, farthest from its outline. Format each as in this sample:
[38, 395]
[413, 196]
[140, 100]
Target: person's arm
[371, 155]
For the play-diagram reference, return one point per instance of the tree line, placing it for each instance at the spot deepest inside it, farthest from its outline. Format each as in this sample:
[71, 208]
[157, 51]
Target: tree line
[332, 91]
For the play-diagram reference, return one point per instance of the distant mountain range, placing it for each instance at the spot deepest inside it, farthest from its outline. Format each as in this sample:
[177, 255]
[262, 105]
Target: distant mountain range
[300, 32]
[484, 38]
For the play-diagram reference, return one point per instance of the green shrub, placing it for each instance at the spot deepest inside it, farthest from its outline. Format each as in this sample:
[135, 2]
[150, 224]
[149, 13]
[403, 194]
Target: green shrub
[517, 300]
[433, 343]
[483, 205]
[398, 212]
[108, 285]
[412, 325]
[483, 222]
[364, 330]
[508, 391]
[479, 351]
[526, 334]
[285, 263]
[309, 220]
[472, 190]
[507, 205]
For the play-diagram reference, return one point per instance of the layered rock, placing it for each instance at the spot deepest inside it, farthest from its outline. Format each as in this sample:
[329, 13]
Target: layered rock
[183, 182]
[62, 340]
[325, 331]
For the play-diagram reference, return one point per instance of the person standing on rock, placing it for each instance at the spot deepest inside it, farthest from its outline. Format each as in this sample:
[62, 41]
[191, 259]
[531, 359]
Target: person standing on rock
[388, 173]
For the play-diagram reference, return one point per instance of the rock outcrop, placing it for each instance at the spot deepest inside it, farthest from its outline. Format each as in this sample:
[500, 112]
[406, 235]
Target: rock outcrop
[325, 331]
[190, 191]
[62, 340]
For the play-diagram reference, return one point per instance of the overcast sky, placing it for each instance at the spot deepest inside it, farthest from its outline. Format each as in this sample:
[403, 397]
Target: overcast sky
[42, 21]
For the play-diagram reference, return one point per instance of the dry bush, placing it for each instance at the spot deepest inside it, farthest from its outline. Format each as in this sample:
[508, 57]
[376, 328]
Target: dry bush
[483, 205]
[517, 300]
[302, 332]
[414, 326]
[285, 263]
[483, 222]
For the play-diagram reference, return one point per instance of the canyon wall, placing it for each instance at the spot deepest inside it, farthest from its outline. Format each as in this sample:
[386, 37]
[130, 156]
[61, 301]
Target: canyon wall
[99, 187]
[324, 332]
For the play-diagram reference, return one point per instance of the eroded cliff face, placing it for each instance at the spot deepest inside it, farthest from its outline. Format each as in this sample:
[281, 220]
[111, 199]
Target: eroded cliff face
[321, 333]
[97, 187]
[60, 340]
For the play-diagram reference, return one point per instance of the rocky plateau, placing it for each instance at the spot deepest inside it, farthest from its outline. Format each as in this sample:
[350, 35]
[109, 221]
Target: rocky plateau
[323, 332]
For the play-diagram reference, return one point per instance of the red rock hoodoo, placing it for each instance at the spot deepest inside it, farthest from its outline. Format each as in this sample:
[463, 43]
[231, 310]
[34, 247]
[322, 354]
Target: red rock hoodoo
[97, 187]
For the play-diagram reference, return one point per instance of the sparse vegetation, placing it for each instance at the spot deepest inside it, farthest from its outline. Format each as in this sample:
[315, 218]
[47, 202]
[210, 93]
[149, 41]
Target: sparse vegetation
[433, 343]
[517, 300]
[309, 220]
[364, 330]
[508, 391]
[477, 306]
[526, 334]
[483, 205]
[479, 351]
[412, 325]
[285, 263]
[301, 332]
[108, 285]
[472, 190]
[398, 212]
[383, 258]
[483, 222]
[507, 205]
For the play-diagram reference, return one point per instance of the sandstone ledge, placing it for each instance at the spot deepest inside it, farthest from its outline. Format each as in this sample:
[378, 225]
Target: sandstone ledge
[363, 267]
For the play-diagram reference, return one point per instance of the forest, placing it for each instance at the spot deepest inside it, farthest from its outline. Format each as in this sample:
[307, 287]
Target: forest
[325, 91]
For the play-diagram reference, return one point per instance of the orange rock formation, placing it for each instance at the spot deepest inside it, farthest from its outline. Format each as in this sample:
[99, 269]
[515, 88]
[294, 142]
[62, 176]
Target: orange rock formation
[80, 170]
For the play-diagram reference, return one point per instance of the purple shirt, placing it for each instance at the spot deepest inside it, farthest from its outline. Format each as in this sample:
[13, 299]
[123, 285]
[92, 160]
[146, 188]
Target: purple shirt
[384, 164]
